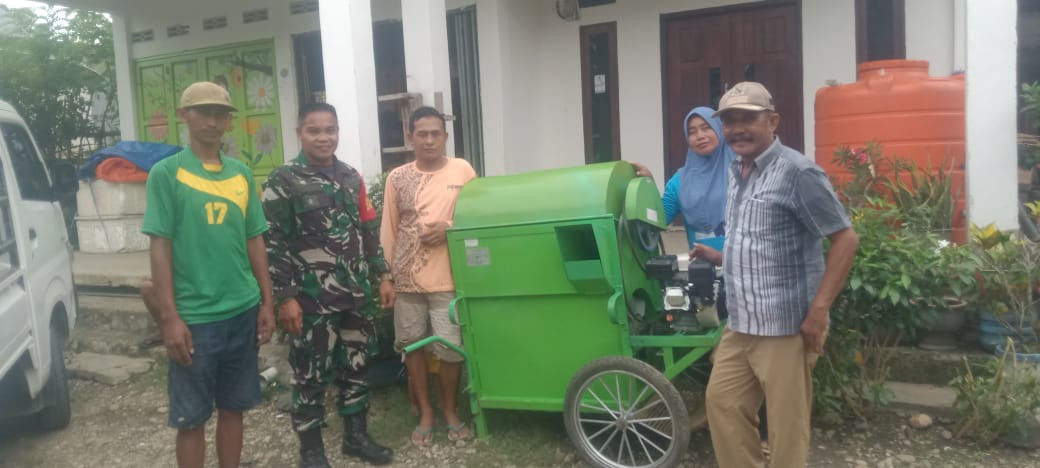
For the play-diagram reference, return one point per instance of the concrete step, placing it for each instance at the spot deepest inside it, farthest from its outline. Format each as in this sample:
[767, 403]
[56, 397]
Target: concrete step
[114, 312]
[121, 270]
[107, 341]
[934, 400]
[918, 366]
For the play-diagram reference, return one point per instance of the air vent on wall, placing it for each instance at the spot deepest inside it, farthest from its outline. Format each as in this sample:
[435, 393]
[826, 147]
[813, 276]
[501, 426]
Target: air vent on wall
[142, 36]
[252, 16]
[177, 30]
[303, 6]
[215, 22]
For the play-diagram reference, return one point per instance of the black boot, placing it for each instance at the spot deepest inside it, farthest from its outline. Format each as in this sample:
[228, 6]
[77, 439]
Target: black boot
[312, 450]
[357, 442]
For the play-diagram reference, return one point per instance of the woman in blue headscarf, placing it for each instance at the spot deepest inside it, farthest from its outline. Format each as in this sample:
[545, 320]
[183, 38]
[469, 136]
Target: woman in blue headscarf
[697, 191]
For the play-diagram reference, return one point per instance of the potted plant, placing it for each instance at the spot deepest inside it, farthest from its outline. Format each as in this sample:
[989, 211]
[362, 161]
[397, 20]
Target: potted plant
[956, 282]
[1009, 275]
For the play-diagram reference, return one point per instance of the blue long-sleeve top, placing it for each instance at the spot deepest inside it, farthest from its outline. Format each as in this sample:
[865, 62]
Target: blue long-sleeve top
[672, 209]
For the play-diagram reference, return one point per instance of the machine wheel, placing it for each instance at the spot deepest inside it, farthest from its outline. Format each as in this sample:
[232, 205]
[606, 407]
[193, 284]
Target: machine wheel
[622, 412]
[56, 412]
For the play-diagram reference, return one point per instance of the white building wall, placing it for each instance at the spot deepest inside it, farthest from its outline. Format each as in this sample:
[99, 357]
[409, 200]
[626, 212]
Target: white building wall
[828, 53]
[546, 82]
[530, 64]
[931, 34]
[545, 89]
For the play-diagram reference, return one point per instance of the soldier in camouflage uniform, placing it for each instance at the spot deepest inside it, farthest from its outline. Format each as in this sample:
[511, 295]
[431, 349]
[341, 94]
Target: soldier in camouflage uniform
[323, 245]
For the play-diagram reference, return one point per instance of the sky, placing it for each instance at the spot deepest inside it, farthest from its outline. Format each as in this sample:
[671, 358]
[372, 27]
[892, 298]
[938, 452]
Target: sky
[21, 3]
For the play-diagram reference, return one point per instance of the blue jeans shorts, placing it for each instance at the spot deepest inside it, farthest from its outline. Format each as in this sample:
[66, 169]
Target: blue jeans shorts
[223, 370]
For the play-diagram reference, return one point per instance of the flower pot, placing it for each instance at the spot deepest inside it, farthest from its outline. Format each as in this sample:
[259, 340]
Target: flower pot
[995, 332]
[940, 332]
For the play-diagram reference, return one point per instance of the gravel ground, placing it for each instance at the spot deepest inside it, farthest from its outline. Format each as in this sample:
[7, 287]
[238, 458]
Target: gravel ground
[124, 426]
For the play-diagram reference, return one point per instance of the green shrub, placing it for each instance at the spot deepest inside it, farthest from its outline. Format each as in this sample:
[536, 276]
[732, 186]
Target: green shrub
[993, 400]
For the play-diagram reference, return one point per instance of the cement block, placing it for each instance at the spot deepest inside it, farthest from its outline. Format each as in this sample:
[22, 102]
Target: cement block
[111, 234]
[107, 369]
[103, 198]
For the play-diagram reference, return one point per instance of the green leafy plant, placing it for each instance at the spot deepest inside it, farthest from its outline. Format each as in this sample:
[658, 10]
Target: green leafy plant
[1028, 152]
[1031, 103]
[894, 286]
[924, 197]
[56, 63]
[376, 188]
[1009, 277]
[956, 270]
[1034, 210]
[903, 273]
[992, 401]
[1029, 145]
[384, 319]
[866, 168]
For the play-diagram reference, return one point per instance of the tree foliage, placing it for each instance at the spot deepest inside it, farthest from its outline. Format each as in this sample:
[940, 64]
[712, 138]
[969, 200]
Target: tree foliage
[55, 64]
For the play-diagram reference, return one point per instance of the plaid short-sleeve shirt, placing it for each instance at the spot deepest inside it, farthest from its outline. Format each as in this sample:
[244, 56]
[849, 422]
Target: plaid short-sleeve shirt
[775, 223]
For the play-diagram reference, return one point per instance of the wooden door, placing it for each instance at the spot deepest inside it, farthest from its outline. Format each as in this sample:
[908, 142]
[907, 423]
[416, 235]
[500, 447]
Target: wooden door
[706, 53]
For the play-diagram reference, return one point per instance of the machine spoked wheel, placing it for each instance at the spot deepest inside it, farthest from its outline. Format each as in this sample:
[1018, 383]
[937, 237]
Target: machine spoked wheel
[622, 412]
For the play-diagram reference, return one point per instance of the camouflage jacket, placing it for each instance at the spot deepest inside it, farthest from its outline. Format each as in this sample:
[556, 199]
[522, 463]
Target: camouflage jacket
[323, 236]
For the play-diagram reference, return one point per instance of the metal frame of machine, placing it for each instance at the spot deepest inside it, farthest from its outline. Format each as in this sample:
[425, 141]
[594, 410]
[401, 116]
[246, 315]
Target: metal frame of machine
[566, 304]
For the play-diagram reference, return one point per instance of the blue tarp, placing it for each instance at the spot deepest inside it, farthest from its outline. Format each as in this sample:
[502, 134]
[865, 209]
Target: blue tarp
[143, 154]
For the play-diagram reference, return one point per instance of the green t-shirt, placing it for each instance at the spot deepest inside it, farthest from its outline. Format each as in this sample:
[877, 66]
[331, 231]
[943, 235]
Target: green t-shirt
[207, 214]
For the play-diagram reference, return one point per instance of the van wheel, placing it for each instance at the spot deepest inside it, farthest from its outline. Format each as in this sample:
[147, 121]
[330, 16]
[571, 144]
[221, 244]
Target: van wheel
[57, 411]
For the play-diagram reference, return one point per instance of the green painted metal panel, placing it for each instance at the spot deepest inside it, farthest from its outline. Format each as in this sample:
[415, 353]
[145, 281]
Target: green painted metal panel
[545, 276]
[527, 349]
[528, 259]
[556, 194]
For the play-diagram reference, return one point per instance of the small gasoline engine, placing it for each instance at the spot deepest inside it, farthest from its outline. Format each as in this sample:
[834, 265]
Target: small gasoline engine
[694, 299]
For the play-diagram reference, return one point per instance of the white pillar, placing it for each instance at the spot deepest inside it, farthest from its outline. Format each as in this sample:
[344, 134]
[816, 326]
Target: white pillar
[350, 81]
[991, 52]
[124, 78]
[491, 42]
[425, 27]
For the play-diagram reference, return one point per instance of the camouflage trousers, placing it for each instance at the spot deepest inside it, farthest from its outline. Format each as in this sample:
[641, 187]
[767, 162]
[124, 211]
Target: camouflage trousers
[332, 348]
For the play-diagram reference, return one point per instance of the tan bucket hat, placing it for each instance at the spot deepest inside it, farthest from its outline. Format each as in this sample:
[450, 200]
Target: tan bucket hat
[205, 93]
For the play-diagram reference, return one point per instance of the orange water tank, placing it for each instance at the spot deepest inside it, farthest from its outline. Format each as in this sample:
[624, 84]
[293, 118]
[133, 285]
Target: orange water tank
[910, 114]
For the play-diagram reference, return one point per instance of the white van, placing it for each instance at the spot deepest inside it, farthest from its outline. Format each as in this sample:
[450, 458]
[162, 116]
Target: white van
[37, 301]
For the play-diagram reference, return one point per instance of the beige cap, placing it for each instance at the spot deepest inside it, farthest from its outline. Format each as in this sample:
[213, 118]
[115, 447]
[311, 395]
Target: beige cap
[205, 93]
[747, 95]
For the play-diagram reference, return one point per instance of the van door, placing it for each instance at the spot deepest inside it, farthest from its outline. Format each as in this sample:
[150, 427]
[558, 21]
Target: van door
[40, 232]
[15, 326]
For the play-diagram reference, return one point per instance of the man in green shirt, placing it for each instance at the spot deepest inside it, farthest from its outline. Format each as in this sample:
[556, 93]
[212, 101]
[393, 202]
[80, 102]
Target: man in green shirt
[209, 269]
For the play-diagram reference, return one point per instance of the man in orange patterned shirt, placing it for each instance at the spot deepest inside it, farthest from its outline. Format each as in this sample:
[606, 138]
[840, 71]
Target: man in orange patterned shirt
[419, 204]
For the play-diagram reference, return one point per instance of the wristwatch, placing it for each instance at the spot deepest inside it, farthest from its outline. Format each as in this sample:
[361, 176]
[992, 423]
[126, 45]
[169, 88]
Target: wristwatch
[387, 277]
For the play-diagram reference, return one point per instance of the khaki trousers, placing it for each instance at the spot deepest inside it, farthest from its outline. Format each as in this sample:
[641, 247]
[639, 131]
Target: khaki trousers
[747, 369]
